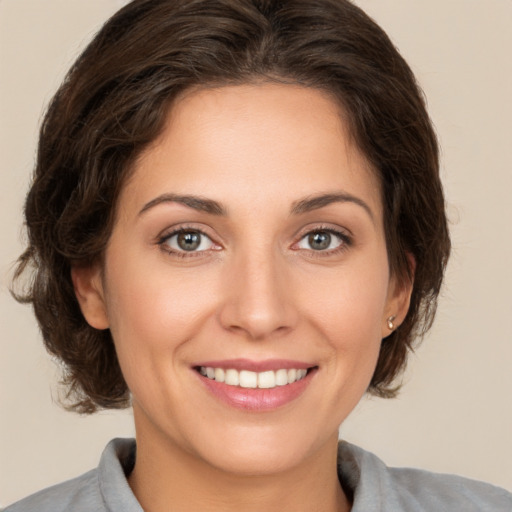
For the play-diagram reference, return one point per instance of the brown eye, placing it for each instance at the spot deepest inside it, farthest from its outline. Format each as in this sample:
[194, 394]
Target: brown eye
[189, 241]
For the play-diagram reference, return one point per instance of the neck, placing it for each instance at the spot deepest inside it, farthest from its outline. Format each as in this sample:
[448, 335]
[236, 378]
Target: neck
[166, 477]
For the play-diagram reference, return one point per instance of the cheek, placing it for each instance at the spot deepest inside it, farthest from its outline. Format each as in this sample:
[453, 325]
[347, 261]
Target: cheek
[348, 304]
[348, 309]
[156, 311]
[153, 318]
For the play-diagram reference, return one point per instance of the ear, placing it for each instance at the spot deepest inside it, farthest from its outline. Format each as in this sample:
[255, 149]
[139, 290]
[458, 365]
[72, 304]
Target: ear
[88, 285]
[398, 299]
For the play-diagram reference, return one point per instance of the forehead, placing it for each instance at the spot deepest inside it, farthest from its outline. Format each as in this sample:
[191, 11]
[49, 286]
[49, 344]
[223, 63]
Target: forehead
[270, 142]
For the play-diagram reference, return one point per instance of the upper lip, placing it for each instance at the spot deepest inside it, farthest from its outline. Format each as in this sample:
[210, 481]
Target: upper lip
[256, 366]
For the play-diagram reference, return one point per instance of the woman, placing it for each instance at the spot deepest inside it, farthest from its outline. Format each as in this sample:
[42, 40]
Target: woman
[225, 228]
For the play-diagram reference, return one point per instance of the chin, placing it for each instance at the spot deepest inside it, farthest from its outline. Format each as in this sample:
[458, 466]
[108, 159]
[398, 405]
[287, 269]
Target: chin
[250, 461]
[264, 452]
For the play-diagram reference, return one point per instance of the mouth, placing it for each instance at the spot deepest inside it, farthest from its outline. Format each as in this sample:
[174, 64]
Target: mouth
[256, 386]
[248, 379]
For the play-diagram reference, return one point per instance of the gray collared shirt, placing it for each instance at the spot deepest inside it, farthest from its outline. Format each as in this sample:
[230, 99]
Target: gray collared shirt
[374, 487]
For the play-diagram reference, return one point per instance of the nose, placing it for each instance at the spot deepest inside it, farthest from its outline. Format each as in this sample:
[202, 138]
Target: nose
[259, 300]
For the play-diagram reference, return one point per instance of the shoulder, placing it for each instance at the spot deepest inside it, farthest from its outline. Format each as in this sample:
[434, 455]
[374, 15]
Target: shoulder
[103, 489]
[375, 485]
[435, 491]
[79, 494]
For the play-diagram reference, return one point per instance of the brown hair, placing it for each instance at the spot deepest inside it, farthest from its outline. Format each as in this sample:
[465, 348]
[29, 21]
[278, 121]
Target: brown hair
[115, 98]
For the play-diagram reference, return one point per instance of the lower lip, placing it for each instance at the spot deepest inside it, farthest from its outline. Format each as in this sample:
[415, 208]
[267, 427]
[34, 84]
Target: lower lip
[256, 399]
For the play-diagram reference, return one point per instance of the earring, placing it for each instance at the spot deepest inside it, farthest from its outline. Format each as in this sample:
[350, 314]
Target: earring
[390, 321]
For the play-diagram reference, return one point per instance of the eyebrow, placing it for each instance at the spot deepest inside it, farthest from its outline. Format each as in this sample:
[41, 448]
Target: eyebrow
[199, 203]
[319, 201]
[212, 207]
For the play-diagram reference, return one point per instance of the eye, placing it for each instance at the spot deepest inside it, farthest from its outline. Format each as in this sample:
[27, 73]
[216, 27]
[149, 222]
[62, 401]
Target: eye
[323, 240]
[187, 240]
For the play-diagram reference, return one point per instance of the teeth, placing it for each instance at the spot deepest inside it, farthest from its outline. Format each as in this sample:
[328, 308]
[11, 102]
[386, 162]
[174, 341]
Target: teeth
[267, 380]
[247, 379]
[232, 378]
[282, 377]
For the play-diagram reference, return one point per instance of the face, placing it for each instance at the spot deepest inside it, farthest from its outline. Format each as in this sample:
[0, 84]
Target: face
[246, 281]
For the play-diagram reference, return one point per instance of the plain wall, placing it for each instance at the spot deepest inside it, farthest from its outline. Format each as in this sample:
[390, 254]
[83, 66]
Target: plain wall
[455, 411]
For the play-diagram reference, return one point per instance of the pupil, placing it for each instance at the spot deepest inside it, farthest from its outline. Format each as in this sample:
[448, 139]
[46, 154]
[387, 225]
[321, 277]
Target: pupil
[319, 241]
[189, 241]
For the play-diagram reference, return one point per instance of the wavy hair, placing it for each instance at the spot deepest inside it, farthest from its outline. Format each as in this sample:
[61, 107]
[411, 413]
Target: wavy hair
[113, 103]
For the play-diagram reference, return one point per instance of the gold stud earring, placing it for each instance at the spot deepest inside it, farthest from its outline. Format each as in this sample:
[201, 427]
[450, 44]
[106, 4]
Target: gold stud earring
[390, 321]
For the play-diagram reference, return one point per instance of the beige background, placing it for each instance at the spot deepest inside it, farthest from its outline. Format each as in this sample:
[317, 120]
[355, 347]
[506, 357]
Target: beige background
[455, 412]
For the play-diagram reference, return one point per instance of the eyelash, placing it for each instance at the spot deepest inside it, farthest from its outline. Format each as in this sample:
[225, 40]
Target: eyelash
[346, 242]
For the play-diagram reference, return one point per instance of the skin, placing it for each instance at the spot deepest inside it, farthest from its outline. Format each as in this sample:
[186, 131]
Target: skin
[256, 289]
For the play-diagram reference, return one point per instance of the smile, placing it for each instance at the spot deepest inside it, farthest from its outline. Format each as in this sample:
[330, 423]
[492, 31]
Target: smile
[256, 386]
[249, 379]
